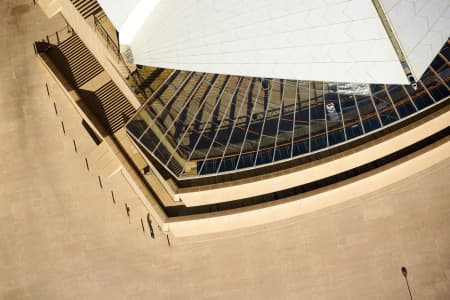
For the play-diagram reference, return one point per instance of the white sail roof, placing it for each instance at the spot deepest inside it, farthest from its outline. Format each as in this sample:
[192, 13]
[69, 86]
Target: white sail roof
[421, 27]
[330, 40]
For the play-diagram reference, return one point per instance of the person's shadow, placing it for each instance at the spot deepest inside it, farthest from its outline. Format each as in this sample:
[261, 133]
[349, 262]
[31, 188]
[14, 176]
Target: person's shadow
[127, 209]
[149, 222]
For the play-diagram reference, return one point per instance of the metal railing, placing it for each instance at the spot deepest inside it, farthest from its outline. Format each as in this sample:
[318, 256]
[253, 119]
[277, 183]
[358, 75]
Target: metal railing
[110, 43]
[53, 39]
[115, 48]
[59, 36]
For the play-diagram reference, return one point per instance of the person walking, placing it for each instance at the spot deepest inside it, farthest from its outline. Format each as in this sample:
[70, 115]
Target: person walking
[127, 209]
[152, 234]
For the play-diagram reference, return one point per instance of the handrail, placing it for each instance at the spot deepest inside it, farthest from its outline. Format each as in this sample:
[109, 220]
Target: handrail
[54, 39]
[59, 36]
[111, 44]
[109, 41]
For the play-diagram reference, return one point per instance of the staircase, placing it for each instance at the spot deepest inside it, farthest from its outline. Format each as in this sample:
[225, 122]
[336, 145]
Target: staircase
[110, 106]
[87, 7]
[82, 65]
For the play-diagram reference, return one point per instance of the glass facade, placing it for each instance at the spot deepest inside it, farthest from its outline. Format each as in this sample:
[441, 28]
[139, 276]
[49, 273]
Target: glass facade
[198, 123]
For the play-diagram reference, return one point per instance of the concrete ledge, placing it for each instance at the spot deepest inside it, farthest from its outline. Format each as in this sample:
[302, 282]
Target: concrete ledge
[316, 170]
[282, 210]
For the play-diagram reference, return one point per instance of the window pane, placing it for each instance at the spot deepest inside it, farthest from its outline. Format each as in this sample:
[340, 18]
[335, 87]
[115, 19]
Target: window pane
[317, 112]
[301, 123]
[140, 122]
[383, 104]
[241, 124]
[334, 115]
[401, 100]
[434, 85]
[268, 137]
[286, 123]
[351, 118]
[419, 96]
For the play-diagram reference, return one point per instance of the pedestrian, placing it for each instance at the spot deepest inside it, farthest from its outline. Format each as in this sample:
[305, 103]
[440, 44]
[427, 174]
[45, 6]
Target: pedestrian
[127, 209]
[152, 234]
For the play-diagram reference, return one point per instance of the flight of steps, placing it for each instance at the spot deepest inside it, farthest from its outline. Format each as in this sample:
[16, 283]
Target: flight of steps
[82, 65]
[87, 7]
[111, 106]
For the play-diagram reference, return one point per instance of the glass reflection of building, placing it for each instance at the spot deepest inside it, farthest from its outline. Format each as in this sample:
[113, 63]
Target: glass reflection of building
[199, 123]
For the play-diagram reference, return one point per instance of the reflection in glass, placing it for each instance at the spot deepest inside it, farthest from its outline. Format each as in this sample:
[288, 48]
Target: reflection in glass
[197, 124]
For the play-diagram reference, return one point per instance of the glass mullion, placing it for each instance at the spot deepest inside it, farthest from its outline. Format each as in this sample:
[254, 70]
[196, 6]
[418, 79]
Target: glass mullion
[156, 108]
[240, 128]
[190, 113]
[426, 90]
[280, 112]
[401, 100]
[216, 148]
[383, 104]
[138, 125]
[352, 120]
[243, 121]
[391, 102]
[145, 116]
[201, 96]
[157, 105]
[251, 133]
[445, 87]
[172, 111]
[229, 163]
[265, 137]
[151, 137]
[218, 113]
[317, 120]
[369, 116]
[285, 127]
[301, 143]
[325, 113]
[420, 97]
[165, 98]
[336, 133]
[342, 115]
[216, 97]
[184, 101]
[309, 116]
[441, 65]
[427, 81]
[202, 119]
[294, 115]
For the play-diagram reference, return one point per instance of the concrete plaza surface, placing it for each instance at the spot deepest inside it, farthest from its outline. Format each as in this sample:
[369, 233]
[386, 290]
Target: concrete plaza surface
[63, 236]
